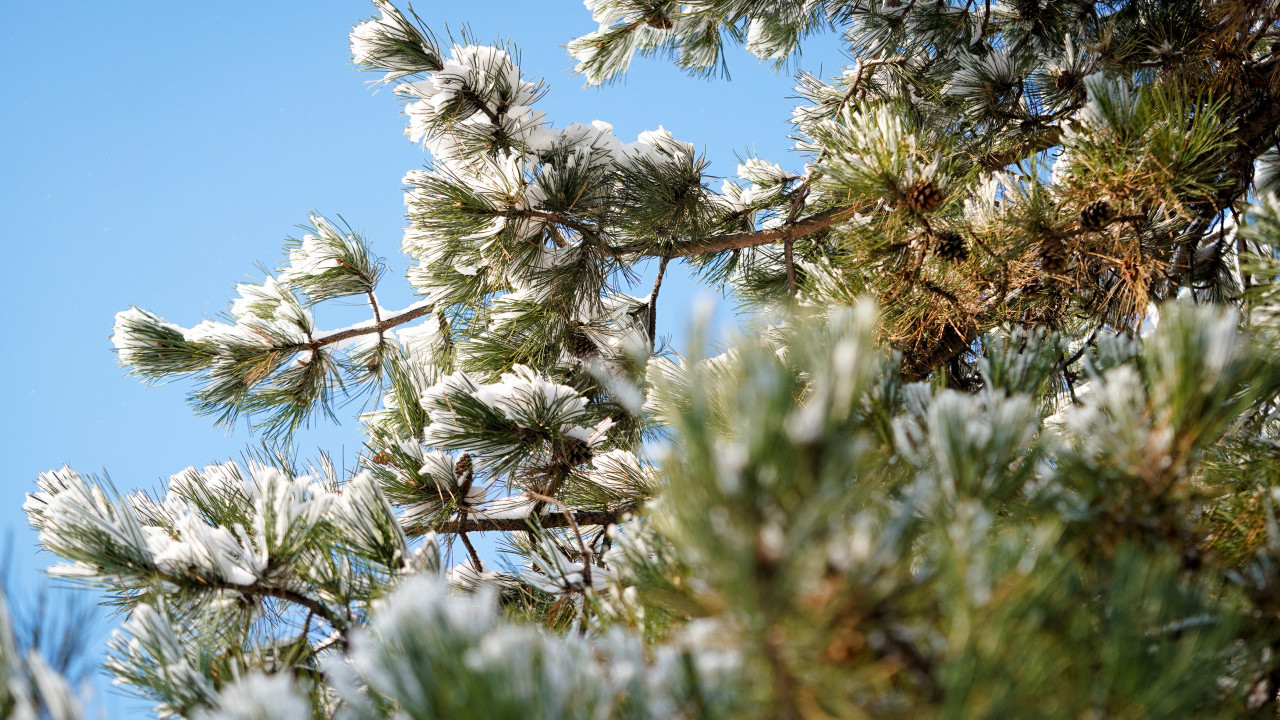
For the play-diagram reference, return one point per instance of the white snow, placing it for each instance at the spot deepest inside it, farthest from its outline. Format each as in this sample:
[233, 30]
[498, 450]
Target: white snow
[202, 550]
[371, 41]
[124, 335]
[259, 696]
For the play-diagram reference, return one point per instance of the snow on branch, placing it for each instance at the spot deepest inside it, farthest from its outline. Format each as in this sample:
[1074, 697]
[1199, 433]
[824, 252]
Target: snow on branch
[394, 45]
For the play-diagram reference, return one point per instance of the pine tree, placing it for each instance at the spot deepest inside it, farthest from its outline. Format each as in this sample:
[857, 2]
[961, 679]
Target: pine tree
[1000, 440]
[41, 659]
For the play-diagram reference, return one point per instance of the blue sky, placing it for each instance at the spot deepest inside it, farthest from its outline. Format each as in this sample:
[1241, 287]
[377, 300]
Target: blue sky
[155, 155]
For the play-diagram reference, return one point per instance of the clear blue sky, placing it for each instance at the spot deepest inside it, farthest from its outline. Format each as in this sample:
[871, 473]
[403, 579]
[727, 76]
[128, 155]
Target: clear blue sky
[155, 154]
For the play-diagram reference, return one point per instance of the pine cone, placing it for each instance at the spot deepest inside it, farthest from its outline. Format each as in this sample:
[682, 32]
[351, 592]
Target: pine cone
[1064, 80]
[657, 20]
[1053, 255]
[1096, 215]
[923, 197]
[1027, 9]
[951, 247]
[575, 452]
[462, 467]
[580, 344]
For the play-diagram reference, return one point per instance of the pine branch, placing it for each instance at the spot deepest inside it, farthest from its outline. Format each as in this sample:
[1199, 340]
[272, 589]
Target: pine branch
[548, 521]
[573, 525]
[377, 314]
[784, 682]
[378, 326]
[314, 606]
[471, 549]
[556, 477]
[1257, 130]
[741, 240]
[464, 469]
[789, 231]
[653, 301]
[373, 303]
[1042, 140]
[583, 230]
[788, 255]
[917, 365]
[475, 99]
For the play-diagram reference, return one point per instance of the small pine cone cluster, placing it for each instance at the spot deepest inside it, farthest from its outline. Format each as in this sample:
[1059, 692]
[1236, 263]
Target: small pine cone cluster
[1053, 255]
[1064, 80]
[950, 246]
[923, 197]
[1096, 215]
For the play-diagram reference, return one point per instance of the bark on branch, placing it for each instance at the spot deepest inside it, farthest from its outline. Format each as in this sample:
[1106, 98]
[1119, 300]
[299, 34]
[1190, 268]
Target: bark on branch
[740, 240]
[376, 327]
[1042, 140]
[912, 366]
[338, 622]
[811, 224]
[917, 365]
[548, 521]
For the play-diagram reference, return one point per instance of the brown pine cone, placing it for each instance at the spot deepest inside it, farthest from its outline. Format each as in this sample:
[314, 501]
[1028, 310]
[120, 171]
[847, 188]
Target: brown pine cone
[580, 344]
[1027, 9]
[575, 452]
[923, 197]
[1096, 215]
[462, 467]
[658, 20]
[1053, 255]
[951, 247]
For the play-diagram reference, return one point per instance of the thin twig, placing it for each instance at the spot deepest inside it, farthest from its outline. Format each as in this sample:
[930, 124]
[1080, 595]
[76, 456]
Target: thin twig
[329, 642]
[653, 300]
[1242, 247]
[336, 621]
[1092, 336]
[583, 230]
[377, 316]
[573, 524]
[937, 289]
[788, 255]
[784, 683]
[479, 102]
[475, 556]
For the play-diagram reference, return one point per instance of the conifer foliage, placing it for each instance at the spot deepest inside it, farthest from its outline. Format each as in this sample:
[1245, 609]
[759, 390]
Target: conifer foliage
[1000, 442]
